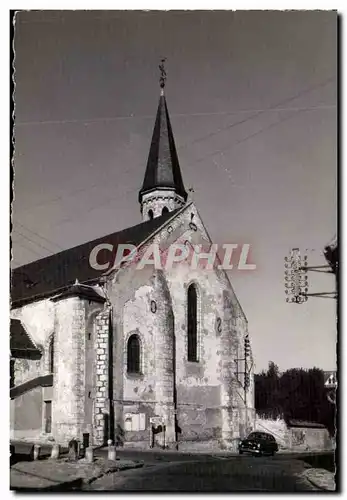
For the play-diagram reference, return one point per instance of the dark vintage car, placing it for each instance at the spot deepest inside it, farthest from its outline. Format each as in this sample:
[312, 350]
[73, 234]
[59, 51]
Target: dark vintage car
[258, 443]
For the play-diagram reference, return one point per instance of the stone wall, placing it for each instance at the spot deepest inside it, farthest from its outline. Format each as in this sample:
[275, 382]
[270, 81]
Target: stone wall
[295, 438]
[307, 438]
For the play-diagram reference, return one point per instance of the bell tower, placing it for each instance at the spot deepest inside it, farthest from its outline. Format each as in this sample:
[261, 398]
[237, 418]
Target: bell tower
[162, 190]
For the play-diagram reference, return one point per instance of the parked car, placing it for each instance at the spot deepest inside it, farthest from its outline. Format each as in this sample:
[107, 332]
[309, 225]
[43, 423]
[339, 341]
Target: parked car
[258, 443]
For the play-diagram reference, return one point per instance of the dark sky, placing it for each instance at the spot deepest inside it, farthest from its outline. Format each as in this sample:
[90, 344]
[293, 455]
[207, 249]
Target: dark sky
[86, 97]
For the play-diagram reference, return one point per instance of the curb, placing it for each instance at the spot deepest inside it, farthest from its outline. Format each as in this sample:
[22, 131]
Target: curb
[112, 470]
[316, 485]
[79, 483]
[75, 484]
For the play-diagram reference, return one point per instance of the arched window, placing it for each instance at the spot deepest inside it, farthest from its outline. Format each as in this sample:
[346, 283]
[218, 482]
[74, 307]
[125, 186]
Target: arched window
[150, 214]
[192, 324]
[133, 354]
[51, 354]
[164, 211]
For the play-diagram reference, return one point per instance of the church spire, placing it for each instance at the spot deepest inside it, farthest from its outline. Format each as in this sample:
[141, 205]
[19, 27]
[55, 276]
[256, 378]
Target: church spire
[162, 187]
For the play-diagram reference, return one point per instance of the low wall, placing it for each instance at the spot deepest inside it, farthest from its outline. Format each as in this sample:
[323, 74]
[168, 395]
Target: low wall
[295, 438]
[276, 427]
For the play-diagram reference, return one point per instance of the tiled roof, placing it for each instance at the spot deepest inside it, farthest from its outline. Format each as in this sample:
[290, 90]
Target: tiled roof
[19, 339]
[163, 170]
[46, 276]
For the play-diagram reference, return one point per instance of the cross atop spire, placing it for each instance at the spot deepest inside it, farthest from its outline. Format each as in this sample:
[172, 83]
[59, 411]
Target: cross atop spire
[163, 75]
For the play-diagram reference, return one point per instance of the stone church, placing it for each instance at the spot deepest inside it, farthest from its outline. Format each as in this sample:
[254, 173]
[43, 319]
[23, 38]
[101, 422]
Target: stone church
[143, 356]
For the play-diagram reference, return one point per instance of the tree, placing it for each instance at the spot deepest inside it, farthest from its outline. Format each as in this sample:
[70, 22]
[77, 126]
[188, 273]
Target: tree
[296, 394]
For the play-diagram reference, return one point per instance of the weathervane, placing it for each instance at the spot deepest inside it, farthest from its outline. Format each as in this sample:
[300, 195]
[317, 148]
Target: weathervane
[162, 79]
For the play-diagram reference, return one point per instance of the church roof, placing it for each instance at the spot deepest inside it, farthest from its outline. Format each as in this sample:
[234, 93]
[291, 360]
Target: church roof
[163, 170]
[43, 277]
[20, 340]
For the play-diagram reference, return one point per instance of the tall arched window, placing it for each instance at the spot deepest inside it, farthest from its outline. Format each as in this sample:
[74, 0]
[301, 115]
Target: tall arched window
[51, 354]
[150, 214]
[164, 211]
[192, 324]
[133, 354]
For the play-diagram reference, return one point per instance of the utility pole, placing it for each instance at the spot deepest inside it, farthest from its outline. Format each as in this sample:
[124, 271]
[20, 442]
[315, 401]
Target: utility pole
[246, 373]
[296, 278]
[296, 289]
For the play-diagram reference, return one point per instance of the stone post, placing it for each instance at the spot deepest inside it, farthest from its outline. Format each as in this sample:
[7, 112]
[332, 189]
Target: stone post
[37, 449]
[55, 452]
[89, 455]
[112, 453]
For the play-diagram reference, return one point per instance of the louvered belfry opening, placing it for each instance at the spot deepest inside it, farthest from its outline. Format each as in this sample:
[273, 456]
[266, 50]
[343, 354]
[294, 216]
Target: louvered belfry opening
[133, 354]
[192, 324]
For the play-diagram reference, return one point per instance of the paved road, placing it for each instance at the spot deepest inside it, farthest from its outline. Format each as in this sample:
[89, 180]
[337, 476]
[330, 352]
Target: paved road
[213, 475]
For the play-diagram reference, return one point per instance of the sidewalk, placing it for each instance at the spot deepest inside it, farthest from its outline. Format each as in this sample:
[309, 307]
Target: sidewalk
[62, 474]
[321, 479]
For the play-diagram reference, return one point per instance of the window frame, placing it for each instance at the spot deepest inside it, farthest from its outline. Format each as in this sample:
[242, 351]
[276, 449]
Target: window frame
[195, 349]
[139, 372]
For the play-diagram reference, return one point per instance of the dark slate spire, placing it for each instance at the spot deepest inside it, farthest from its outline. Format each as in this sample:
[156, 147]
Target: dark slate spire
[163, 170]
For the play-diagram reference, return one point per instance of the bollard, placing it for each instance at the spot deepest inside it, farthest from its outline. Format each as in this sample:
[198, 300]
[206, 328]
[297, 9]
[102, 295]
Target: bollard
[55, 451]
[112, 453]
[85, 442]
[73, 450]
[89, 456]
[37, 449]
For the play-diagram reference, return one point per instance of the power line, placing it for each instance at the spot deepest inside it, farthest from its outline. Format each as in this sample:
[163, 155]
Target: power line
[219, 151]
[211, 134]
[299, 94]
[262, 111]
[30, 249]
[106, 202]
[177, 115]
[32, 241]
[40, 236]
